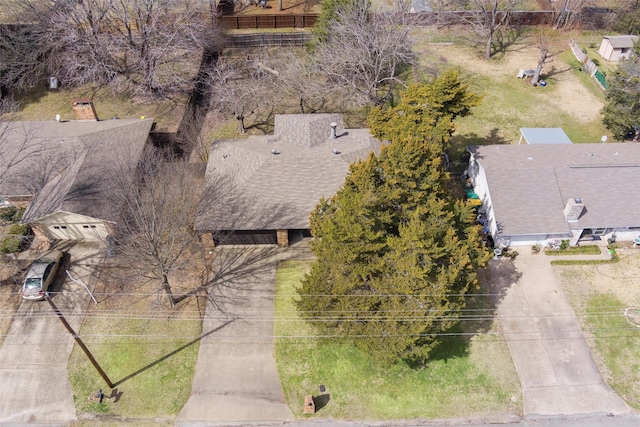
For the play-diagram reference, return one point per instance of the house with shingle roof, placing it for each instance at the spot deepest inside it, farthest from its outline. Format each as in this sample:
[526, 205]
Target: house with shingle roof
[615, 48]
[261, 190]
[535, 193]
[60, 170]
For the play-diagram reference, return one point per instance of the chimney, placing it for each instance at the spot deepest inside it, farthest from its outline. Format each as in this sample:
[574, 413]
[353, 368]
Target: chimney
[83, 109]
[574, 209]
[333, 125]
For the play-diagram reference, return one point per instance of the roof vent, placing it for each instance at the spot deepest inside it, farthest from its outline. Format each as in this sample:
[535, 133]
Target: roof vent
[334, 126]
[574, 209]
[335, 151]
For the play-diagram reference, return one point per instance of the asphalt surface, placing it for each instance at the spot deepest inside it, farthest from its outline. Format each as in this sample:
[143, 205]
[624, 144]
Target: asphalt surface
[236, 379]
[557, 372]
[34, 384]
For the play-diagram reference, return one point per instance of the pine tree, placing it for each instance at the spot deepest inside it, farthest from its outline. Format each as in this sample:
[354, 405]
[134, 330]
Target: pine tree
[395, 252]
[426, 111]
[621, 113]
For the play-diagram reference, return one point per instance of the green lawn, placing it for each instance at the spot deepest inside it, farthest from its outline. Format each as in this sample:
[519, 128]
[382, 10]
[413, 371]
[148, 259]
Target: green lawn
[473, 378]
[510, 103]
[618, 342]
[153, 358]
[44, 105]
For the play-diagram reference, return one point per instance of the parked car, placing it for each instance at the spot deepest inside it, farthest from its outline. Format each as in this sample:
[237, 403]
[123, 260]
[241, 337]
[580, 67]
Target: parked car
[41, 275]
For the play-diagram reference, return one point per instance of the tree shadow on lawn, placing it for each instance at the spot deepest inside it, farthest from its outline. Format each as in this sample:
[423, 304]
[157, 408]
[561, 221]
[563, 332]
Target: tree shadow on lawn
[479, 314]
[458, 155]
[555, 71]
[170, 354]
[511, 40]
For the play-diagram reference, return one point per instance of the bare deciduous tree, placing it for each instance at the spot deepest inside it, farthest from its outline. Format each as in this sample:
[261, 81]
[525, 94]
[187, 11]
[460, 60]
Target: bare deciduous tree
[364, 51]
[300, 79]
[566, 12]
[155, 231]
[548, 50]
[491, 17]
[243, 88]
[18, 145]
[137, 46]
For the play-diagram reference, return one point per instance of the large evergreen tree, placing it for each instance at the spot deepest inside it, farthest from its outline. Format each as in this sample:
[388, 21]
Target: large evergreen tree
[426, 111]
[395, 252]
[621, 113]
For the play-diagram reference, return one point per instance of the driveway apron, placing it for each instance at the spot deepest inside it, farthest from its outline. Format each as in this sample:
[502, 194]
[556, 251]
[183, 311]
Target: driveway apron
[236, 379]
[34, 383]
[557, 371]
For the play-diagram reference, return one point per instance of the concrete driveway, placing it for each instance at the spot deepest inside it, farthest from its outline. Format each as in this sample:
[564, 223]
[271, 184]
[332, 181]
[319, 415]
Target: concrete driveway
[236, 379]
[557, 371]
[34, 384]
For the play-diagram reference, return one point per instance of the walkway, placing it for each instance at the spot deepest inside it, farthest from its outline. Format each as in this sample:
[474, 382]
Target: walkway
[236, 380]
[557, 372]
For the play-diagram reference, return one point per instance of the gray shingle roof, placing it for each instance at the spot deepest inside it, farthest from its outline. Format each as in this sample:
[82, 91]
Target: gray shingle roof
[531, 184]
[66, 166]
[621, 42]
[249, 188]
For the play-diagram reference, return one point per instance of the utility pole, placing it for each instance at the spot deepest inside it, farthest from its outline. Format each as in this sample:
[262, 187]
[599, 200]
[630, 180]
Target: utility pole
[79, 341]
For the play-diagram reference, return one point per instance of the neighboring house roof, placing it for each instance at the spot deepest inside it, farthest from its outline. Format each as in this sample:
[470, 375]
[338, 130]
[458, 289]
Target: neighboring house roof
[530, 185]
[249, 188]
[66, 166]
[545, 136]
[621, 42]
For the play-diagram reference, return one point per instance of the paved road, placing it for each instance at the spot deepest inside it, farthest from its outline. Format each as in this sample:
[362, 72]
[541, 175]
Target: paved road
[34, 384]
[236, 380]
[579, 421]
[557, 371]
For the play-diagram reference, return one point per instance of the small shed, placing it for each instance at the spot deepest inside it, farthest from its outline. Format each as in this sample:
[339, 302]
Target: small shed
[543, 136]
[615, 48]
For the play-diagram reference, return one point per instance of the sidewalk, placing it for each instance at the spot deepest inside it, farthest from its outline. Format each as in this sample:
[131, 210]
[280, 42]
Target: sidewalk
[557, 372]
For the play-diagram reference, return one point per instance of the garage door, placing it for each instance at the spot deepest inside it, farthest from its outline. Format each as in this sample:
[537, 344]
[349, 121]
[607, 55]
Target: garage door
[76, 231]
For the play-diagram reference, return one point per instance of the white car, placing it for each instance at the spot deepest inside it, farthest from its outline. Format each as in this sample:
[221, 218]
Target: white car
[41, 275]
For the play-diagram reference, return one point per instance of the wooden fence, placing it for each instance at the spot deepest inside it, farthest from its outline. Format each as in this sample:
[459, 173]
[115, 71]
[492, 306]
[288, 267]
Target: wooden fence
[589, 66]
[239, 22]
[588, 18]
[267, 39]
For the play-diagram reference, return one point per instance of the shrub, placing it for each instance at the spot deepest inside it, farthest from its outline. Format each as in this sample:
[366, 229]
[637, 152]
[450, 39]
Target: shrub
[11, 213]
[6, 214]
[12, 241]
